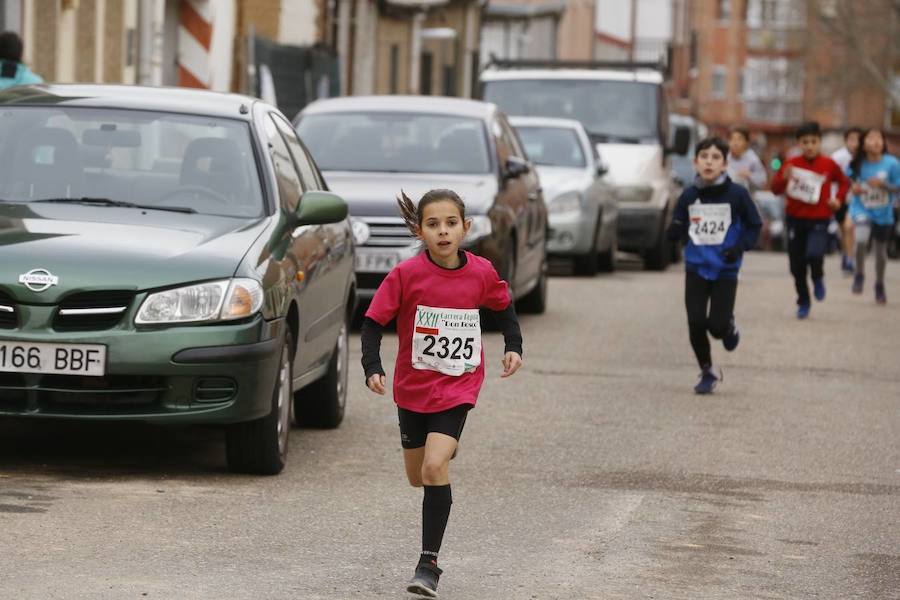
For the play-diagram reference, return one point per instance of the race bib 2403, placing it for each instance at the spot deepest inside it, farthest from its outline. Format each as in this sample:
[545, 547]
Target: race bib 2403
[709, 223]
[805, 185]
[446, 340]
[873, 197]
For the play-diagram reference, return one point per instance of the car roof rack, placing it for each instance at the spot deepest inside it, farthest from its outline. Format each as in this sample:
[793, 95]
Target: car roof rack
[529, 63]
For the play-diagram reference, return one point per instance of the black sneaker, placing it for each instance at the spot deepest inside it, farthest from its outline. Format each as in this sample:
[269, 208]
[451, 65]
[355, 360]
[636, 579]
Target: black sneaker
[425, 580]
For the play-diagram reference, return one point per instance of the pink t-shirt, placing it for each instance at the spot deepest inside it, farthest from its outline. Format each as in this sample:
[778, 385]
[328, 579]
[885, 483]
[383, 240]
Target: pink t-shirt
[418, 281]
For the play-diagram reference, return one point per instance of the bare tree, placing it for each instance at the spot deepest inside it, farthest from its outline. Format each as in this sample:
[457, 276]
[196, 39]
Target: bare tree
[862, 39]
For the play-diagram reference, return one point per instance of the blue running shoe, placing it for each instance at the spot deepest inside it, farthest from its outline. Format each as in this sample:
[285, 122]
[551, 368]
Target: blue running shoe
[733, 337]
[847, 265]
[708, 381]
[858, 281]
[819, 289]
[802, 311]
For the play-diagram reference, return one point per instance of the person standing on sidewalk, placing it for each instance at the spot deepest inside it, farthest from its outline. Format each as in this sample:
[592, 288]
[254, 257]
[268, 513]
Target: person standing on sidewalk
[720, 222]
[842, 156]
[744, 166]
[12, 70]
[806, 182]
[876, 181]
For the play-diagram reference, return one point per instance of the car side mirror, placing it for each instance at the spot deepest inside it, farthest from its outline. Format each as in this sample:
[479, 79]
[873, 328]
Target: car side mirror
[516, 167]
[318, 208]
[682, 141]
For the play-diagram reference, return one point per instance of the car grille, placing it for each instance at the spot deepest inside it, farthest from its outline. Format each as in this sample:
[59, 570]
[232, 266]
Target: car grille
[88, 395]
[91, 311]
[387, 231]
[8, 317]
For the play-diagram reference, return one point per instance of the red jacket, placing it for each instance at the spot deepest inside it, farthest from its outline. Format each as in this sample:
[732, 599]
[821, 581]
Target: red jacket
[801, 201]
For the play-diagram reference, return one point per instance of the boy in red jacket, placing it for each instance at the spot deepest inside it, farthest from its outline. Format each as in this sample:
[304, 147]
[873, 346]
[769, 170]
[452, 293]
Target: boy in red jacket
[806, 182]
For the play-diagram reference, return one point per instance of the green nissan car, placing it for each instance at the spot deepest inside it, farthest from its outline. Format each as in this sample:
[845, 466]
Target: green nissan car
[170, 256]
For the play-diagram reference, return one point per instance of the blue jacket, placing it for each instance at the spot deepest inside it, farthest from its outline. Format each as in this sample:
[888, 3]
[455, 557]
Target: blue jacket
[708, 261]
[23, 75]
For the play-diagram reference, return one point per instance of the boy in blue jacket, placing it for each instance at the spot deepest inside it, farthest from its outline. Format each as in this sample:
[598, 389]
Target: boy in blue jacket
[720, 222]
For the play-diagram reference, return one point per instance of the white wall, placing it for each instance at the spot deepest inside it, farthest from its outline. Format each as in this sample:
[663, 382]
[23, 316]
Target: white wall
[654, 19]
[298, 22]
[613, 18]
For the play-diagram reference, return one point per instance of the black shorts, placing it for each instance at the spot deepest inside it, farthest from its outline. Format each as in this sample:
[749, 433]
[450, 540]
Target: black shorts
[840, 214]
[415, 427]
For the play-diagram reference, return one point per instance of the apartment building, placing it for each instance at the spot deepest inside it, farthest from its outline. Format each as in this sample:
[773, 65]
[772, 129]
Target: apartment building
[771, 64]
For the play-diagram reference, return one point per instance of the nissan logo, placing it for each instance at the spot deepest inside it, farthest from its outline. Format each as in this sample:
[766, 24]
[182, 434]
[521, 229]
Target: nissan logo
[38, 280]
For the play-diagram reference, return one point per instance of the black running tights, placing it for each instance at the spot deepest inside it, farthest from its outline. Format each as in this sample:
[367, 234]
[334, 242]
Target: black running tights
[710, 307]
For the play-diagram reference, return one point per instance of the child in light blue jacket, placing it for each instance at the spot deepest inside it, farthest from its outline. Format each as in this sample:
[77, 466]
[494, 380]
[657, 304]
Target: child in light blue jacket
[12, 71]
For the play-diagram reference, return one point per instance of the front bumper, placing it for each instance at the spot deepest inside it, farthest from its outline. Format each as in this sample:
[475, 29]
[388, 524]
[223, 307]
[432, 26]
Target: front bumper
[213, 374]
[639, 228]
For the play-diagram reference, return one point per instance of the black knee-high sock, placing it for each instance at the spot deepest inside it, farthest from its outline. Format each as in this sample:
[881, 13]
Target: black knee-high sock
[435, 512]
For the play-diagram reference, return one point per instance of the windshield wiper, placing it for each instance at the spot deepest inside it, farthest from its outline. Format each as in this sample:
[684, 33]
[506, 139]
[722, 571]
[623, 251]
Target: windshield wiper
[117, 203]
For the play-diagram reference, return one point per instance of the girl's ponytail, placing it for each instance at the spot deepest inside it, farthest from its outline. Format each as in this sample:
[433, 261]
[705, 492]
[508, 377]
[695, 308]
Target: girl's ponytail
[408, 212]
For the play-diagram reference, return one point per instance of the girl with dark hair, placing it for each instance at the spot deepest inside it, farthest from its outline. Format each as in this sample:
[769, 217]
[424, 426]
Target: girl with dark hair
[720, 222]
[435, 297]
[876, 181]
[842, 156]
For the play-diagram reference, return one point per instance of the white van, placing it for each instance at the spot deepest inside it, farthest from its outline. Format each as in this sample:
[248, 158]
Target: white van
[624, 110]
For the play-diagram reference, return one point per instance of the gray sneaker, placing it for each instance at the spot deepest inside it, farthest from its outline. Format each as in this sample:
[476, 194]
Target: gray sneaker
[425, 581]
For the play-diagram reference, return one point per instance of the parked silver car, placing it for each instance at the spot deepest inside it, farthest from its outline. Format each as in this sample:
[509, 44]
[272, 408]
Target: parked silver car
[582, 208]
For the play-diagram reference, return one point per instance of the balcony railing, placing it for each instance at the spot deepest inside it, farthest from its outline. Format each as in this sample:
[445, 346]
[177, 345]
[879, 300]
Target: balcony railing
[775, 112]
[776, 40]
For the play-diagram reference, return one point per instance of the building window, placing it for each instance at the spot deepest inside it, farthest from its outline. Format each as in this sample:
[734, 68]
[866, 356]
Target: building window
[741, 84]
[718, 81]
[724, 10]
[395, 68]
[695, 41]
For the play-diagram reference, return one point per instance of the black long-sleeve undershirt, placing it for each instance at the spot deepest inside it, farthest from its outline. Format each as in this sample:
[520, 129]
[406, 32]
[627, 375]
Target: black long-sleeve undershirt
[371, 332]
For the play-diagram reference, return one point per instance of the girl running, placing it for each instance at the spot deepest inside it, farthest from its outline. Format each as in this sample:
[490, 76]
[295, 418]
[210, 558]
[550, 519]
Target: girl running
[721, 222]
[876, 180]
[435, 297]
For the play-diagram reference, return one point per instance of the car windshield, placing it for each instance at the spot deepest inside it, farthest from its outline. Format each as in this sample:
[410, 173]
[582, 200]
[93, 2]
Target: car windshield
[552, 146]
[107, 157]
[396, 142]
[614, 111]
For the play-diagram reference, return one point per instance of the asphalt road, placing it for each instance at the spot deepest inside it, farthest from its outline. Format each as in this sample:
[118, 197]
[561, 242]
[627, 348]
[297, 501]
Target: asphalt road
[593, 473]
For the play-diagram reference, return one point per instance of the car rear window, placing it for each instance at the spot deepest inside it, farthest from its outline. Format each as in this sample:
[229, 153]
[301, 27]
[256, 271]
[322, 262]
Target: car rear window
[150, 158]
[396, 142]
[552, 146]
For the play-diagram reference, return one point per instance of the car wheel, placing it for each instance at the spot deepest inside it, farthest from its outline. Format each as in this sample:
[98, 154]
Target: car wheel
[322, 403]
[535, 301]
[260, 446]
[657, 257]
[607, 260]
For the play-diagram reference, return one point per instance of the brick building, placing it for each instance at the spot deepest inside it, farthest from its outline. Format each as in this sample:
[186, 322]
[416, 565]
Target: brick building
[771, 64]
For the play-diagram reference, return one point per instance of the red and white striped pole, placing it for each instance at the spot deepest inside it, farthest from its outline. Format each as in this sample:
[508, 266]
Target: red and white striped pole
[195, 32]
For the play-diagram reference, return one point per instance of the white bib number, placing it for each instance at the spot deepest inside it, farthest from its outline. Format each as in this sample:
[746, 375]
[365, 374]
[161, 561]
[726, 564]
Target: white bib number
[873, 197]
[709, 223]
[446, 340]
[805, 185]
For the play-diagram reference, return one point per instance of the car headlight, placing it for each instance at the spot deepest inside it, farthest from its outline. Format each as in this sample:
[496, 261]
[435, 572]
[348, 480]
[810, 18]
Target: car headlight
[565, 203]
[480, 227]
[634, 193]
[223, 300]
[361, 231]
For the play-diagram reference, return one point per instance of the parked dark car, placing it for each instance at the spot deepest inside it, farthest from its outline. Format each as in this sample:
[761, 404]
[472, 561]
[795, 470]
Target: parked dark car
[370, 148]
[170, 256]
